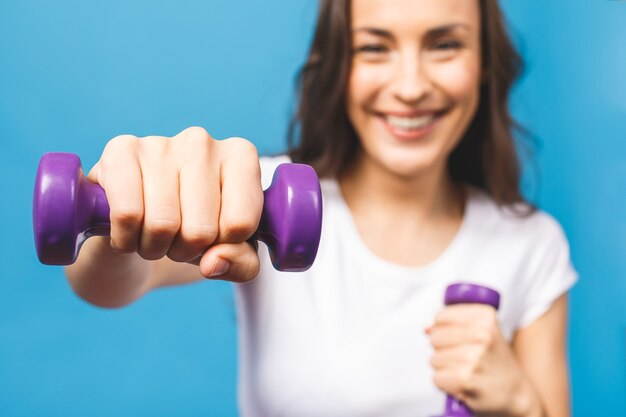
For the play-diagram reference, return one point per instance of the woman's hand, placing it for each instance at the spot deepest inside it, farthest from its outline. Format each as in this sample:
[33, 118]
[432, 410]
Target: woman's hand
[473, 362]
[189, 197]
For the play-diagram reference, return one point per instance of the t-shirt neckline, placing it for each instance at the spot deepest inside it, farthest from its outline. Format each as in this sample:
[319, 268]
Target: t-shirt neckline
[389, 268]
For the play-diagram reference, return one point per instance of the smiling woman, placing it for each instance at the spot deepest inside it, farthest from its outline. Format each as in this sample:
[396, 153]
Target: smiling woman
[485, 156]
[403, 113]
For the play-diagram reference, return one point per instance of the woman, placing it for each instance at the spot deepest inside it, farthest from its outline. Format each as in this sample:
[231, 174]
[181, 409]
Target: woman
[403, 114]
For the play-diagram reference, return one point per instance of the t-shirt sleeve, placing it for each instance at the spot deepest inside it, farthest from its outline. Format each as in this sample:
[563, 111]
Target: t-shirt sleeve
[550, 272]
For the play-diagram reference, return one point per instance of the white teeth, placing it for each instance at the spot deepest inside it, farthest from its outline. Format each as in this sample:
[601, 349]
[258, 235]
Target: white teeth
[409, 123]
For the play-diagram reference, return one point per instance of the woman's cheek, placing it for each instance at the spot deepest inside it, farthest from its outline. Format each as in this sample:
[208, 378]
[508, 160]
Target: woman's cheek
[460, 79]
[365, 81]
[363, 87]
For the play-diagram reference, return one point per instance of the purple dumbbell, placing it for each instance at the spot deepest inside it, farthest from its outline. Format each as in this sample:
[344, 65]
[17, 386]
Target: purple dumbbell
[466, 294]
[68, 209]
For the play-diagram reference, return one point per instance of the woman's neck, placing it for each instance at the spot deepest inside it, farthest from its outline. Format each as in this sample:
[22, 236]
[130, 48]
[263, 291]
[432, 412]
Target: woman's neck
[408, 221]
[430, 196]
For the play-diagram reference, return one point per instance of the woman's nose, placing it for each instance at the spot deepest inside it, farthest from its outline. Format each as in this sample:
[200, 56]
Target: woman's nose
[410, 83]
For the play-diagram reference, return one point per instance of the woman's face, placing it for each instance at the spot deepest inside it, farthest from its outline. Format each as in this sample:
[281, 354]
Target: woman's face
[415, 80]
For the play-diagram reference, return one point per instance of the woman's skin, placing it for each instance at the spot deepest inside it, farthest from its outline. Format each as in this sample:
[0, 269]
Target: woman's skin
[413, 90]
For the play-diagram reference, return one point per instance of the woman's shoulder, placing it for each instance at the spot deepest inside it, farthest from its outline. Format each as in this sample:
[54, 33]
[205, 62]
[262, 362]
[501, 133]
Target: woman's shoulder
[526, 251]
[520, 222]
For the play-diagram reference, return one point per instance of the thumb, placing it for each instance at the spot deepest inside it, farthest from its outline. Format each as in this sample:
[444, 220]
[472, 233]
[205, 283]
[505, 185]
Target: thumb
[236, 262]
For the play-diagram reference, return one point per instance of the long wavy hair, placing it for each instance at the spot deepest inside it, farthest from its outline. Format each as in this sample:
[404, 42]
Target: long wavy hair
[320, 133]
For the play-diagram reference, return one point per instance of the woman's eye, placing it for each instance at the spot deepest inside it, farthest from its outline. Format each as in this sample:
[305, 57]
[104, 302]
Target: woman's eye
[371, 49]
[447, 45]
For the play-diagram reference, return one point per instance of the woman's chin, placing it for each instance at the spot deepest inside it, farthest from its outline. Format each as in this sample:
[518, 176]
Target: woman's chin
[408, 169]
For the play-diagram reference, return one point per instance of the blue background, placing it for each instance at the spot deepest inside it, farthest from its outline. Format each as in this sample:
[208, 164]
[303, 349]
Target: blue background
[74, 74]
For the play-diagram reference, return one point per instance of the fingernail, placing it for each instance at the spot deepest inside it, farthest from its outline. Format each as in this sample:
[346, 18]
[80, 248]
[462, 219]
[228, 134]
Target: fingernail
[221, 267]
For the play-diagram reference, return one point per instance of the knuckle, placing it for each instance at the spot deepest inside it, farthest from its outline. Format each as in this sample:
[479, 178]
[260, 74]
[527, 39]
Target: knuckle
[182, 254]
[439, 316]
[237, 230]
[247, 267]
[119, 145]
[242, 146]
[252, 270]
[125, 246]
[434, 361]
[121, 141]
[176, 256]
[162, 226]
[149, 254]
[437, 381]
[126, 217]
[200, 234]
[196, 133]
[465, 382]
[440, 382]
[152, 145]
[195, 138]
[196, 143]
[435, 339]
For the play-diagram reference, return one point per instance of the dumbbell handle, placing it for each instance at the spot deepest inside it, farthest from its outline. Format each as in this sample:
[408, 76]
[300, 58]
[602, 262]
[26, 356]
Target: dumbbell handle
[463, 293]
[68, 209]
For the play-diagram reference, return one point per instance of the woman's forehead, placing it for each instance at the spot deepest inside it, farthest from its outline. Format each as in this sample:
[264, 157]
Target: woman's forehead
[395, 15]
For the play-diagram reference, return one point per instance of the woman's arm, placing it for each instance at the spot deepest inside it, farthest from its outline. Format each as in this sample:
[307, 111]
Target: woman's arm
[474, 362]
[541, 351]
[110, 279]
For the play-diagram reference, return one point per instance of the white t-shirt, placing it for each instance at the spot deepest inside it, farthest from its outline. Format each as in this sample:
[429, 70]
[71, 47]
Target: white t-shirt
[346, 338]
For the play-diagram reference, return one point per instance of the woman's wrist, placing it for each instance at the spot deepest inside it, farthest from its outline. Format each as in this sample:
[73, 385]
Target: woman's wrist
[105, 277]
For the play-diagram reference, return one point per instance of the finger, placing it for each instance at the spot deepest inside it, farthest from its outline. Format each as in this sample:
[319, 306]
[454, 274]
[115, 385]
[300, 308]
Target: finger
[456, 357]
[199, 182]
[236, 262]
[445, 336]
[242, 193]
[161, 202]
[119, 173]
[464, 314]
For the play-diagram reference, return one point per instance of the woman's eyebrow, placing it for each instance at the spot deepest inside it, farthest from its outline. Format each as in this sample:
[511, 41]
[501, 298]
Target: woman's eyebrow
[374, 31]
[440, 30]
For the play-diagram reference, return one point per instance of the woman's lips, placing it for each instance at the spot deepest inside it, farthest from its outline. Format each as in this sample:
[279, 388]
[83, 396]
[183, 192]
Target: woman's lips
[410, 126]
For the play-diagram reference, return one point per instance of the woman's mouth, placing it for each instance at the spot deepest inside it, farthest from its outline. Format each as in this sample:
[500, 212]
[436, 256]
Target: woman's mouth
[410, 127]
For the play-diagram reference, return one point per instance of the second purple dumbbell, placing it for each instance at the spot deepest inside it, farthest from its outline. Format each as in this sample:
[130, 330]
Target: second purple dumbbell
[462, 293]
[68, 209]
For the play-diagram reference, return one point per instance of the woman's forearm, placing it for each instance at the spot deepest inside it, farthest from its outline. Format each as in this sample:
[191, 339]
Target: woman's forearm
[107, 278]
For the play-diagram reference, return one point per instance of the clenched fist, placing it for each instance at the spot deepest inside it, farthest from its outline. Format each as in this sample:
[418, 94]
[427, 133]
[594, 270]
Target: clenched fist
[189, 197]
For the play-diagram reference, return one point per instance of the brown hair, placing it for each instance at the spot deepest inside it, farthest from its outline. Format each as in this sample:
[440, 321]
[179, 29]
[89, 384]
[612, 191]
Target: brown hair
[486, 156]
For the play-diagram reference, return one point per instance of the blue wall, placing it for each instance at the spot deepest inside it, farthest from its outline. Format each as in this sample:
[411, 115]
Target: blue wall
[573, 98]
[74, 74]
